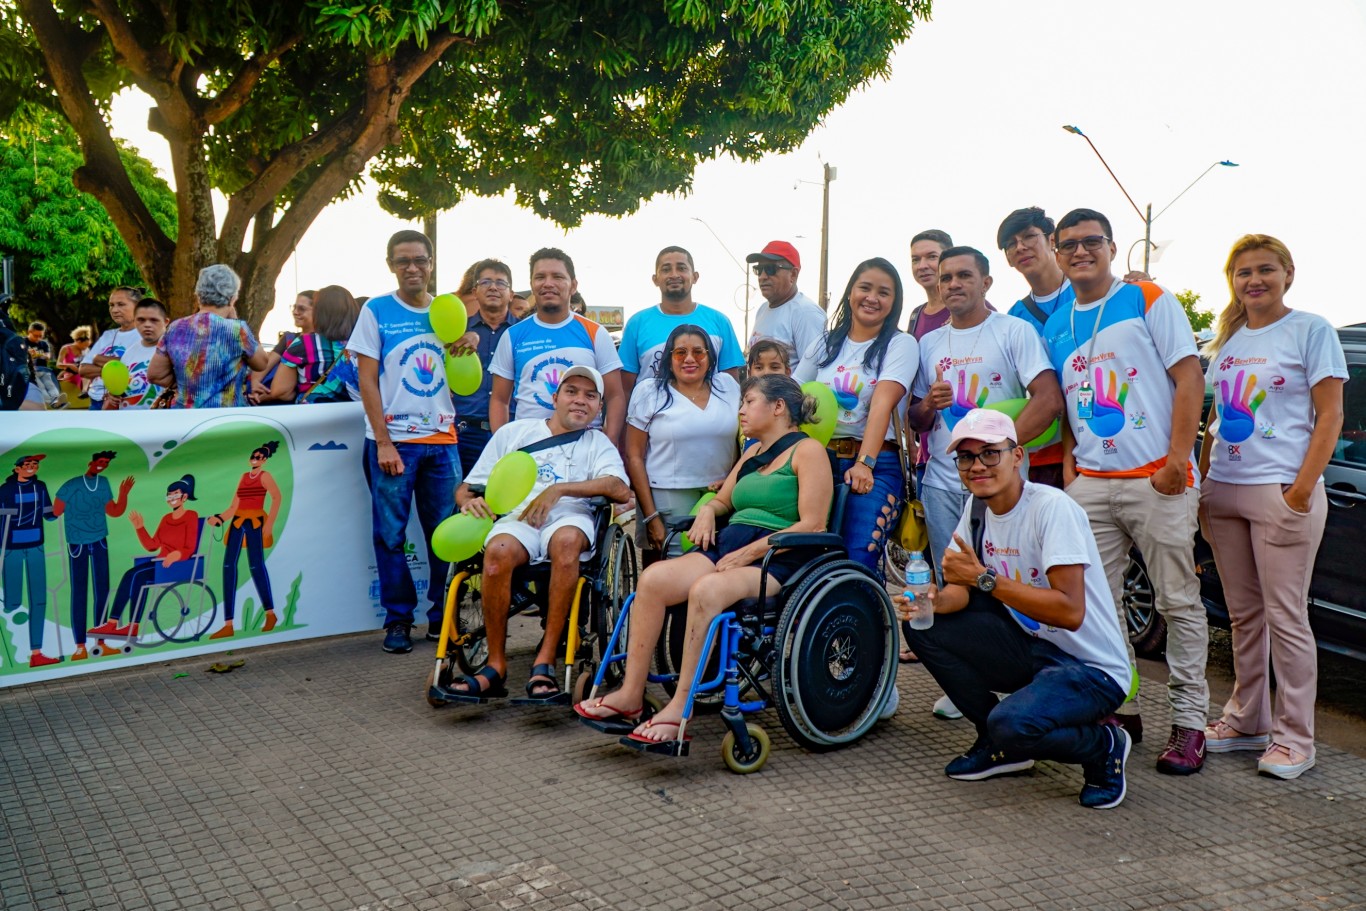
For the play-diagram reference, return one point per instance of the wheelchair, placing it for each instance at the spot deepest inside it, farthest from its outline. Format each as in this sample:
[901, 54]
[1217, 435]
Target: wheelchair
[177, 605]
[605, 581]
[822, 651]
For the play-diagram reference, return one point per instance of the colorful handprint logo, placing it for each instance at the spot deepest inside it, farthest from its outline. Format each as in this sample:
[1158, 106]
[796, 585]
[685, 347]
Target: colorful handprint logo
[847, 387]
[424, 368]
[1237, 407]
[1107, 411]
[551, 380]
[965, 398]
[1028, 623]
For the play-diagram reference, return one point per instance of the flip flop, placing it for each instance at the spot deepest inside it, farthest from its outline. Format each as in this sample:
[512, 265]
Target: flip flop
[638, 738]
[618, 716]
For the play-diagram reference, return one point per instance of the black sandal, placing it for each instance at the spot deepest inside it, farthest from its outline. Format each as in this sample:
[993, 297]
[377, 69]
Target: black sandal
[496, 689]
[542, 685]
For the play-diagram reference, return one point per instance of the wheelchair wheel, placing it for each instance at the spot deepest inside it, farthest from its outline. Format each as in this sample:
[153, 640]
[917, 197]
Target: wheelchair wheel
[618, 580]
[470, 648]
[183, 613]
[742, 763]
[837, 647]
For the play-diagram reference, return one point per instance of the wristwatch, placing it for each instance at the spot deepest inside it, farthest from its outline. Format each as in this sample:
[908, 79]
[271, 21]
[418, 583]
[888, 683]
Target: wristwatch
[987, 580]
[868, 460]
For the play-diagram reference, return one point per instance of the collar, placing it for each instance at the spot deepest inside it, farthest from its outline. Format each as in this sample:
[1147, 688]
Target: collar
[478, 320]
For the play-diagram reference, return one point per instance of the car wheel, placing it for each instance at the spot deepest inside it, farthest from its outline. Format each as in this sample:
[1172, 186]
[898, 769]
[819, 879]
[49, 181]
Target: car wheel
[1147, 630]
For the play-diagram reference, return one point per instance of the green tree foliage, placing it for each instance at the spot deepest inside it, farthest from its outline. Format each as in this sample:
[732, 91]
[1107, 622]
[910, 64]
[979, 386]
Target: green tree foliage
[1200, 319]
[67, 252]
[579, 107]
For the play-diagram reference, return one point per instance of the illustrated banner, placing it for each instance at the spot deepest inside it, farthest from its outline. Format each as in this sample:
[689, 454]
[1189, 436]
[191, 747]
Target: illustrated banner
[136, 536]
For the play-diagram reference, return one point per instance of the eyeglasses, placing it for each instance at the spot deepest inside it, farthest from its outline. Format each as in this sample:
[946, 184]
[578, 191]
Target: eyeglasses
[698, 354]
[990, 458]
[498, 283]
[1091, 244]
[1017, 242]
[769, 269]
[404, 262]
[174, 495]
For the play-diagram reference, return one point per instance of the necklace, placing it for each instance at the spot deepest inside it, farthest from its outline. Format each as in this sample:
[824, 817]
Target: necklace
[977, 337]
[702, 393]
[87, 486]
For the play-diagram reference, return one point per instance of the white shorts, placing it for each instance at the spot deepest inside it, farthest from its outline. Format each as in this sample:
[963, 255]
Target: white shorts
[537, 540]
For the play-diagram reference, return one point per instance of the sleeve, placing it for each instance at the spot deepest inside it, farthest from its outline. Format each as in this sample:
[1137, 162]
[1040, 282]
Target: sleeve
[808, 329]
[1322, 354]
[606, 460]
[498, 445]
[1063, 530]
[806, 368]
[730, 357]
[1027, 352]
[100, 347]
[644, 403]
[605, 352]
[964, 529]
[247, 339]
[295, 354]
[365, 338]
[1170, 329]
[503, 363]
[902, 361]
[66, 490]
[630, 347]
[925, 375]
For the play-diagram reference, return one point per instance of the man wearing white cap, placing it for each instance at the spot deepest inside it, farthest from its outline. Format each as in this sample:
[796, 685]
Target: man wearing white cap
[1025, 610]
[553, 523]
[786, 315]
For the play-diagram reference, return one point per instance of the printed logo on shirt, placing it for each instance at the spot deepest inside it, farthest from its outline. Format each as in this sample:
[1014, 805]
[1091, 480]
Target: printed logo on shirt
[1079, 363]
[1277, 385]
[965, 398]
[546, 474]
[1028, 623]
[545, 379]
[1109, 447]
[1230, 362]
[1235, 453]
[1131, 373]
[1107, 412]
[1267, 430]
[847, 387]
[1237, 407]
[995, 381]
[1139, 420]
[418, 369]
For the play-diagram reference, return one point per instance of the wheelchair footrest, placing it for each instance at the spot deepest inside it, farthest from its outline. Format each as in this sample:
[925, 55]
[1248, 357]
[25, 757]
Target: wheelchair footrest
[675, 748]
[618, 726]
[464, 698]
[557, 699]
[437, 696]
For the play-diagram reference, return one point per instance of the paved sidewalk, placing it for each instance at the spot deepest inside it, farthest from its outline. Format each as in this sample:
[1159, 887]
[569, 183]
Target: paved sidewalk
[317, 777]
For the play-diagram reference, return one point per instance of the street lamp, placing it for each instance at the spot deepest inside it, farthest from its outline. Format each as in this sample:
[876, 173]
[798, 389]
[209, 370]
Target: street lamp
[1147, 216]
[744, 270]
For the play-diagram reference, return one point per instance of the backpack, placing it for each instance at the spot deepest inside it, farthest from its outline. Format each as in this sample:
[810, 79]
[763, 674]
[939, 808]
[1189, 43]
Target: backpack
[14, 367]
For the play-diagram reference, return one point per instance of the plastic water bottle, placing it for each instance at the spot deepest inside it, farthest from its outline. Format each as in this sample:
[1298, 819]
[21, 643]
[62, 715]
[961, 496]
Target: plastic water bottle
[918, 590]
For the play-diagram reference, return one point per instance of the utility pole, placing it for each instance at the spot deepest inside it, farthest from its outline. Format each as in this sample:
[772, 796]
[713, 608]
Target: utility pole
[823, 295]
[429, 228]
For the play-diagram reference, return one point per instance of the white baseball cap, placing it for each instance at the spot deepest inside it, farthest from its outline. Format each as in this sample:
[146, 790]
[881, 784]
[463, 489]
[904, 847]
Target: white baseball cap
[587, 373]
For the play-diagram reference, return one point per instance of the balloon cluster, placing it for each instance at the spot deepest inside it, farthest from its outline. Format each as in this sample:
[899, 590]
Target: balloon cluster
[510, 482]
[449, 321]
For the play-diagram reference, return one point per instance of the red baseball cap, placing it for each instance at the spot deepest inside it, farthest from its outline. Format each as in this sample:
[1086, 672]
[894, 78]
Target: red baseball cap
[775, 250]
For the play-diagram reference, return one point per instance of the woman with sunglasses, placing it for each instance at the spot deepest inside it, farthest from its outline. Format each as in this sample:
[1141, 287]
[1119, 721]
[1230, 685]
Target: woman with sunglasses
[251, 522]
[681, 432]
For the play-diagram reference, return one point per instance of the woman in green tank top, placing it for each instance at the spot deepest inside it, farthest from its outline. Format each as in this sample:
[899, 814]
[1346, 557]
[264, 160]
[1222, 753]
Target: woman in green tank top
[781, 484]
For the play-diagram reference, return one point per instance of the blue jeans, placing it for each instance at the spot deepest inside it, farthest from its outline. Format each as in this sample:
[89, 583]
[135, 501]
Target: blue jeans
[431, 471]
[1056, 701]
[27, 563]
[254, 537]
[86, 561]
[870, 517]
[473, 439]
[943, 510]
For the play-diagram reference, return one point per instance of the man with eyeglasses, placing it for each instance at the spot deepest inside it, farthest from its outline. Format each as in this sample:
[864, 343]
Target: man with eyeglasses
[492, 316]
[410, 438]
[1127, 360]
[786, 315]
[534, 355]
[112, 344]
[1025, 610]
[642, 341]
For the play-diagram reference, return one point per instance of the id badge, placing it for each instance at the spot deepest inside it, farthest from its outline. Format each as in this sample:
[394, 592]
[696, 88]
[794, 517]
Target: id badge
[1084, 398]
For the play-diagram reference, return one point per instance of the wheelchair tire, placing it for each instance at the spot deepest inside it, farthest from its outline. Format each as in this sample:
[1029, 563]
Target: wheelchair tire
[744, 764]
[619, 573]
[837, 642]
[183, 613]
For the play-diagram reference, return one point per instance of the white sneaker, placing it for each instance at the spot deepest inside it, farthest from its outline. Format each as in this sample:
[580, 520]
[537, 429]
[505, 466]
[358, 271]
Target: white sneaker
[893, 703]
[944, 708]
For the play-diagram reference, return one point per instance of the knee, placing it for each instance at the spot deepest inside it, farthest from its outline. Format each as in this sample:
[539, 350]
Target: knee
[1011, 730]
[566, 546]
[707, 596]
[500, 559]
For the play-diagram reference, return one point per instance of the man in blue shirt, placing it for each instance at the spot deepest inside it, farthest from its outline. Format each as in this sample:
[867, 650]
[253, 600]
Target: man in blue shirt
[493, 293]
[86, 501]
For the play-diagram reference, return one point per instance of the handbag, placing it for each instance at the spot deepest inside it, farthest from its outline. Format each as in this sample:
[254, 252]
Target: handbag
[911, 531]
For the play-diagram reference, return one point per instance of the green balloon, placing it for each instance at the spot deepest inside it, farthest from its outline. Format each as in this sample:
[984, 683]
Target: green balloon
[116, 377]
[448, 317]
[510, 481]
[460, 537]
[1012, 408]
[706, 498]
[822, 429]
[464, 373]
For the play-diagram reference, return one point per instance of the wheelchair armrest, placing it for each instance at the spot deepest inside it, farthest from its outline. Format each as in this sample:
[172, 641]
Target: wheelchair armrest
[822, 539]
[598, 502]
[681, 523]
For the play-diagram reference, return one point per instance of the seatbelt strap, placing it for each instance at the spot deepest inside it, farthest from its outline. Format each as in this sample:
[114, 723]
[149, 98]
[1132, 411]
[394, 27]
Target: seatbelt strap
[559, 439]
[770, 455]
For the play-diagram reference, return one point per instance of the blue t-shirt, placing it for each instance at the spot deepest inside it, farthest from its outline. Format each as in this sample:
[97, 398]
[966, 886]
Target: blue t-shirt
[476, 405]
[84, 508]
[1049, 304]
[535, 354]
[642, 341]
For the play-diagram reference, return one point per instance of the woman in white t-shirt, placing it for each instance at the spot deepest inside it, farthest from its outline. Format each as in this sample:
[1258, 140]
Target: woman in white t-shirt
[870, 364]
[1277, 375]
[681, 434]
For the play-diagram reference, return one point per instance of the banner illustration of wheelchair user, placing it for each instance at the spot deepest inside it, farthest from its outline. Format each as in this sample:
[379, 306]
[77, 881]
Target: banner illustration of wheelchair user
[218, 529]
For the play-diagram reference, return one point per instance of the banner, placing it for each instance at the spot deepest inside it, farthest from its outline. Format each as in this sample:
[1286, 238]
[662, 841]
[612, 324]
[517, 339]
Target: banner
[136, 536]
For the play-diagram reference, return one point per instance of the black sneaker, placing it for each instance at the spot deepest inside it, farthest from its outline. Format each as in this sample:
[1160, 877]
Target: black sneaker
[1105, 786]
[398, 638]
[982, 762]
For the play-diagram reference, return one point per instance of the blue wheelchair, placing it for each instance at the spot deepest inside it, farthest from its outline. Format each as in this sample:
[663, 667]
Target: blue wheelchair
[822, 651]
[177, 605]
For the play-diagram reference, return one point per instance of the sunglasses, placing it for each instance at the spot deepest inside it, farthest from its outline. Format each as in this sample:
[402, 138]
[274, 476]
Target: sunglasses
[698, 354]
[769, 269]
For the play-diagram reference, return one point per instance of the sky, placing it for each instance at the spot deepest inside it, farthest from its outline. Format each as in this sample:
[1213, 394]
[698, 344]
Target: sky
[967, 128]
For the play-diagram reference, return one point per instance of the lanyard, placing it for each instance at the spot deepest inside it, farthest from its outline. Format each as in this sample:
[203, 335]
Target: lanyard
[1095, 331]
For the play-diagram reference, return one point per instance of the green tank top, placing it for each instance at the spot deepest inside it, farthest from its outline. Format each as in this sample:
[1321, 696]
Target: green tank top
[767, 500]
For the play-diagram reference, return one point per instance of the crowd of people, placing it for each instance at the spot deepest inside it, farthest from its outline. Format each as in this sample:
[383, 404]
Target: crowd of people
[1028, 544]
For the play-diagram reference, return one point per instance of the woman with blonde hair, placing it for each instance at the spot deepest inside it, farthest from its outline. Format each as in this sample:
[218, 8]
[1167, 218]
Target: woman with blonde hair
[1277, 375]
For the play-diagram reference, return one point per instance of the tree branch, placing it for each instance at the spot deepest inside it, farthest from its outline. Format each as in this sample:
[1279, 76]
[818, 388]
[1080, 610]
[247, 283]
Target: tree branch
[231, 99]
[145, 68]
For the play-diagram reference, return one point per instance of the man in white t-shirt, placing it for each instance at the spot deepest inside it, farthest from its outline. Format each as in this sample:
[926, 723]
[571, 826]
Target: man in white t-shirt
[151, 320]
[111, 345]
[1025, 610]
[786, 315]
[553, 523]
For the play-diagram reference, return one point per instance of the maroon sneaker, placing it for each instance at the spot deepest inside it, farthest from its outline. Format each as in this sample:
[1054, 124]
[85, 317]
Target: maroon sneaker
[1131, 723]
[1184, 754]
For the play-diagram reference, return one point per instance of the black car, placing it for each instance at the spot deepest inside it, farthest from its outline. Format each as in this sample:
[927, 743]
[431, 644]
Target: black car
[1337, 591]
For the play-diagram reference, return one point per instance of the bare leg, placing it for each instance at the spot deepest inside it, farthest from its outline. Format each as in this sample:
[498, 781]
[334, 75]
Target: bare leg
[566, 546]
[502, 555]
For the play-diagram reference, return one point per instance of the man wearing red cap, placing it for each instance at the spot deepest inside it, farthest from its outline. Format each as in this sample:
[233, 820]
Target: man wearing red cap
[786, 315]
[1025, 610]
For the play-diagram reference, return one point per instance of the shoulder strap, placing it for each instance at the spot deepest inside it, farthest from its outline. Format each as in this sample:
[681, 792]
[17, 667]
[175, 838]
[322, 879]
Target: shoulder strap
[1034, 309]
[915, 320]
[770, 455]
[559, 439]
[978, 522]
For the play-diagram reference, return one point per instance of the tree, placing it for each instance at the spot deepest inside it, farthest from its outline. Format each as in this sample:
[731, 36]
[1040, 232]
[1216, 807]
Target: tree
[580, 107]
[1200, 319]
[67, 252]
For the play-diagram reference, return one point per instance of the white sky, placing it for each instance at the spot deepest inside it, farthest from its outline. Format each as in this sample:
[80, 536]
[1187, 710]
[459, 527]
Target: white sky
[968, 128]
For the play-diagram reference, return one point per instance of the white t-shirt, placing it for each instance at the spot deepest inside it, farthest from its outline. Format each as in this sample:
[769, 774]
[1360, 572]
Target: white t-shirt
[1047, 529]
[796, 323]
[1264, 406]
[588, 458]
[412, 369]
[534, 355]
[113, 342]
[689, 446]
[1144, 332]
[854, 384]
[141, 394]
[994, 361]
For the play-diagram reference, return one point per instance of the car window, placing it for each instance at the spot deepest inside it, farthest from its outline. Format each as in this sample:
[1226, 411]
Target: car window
[1352, 444]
